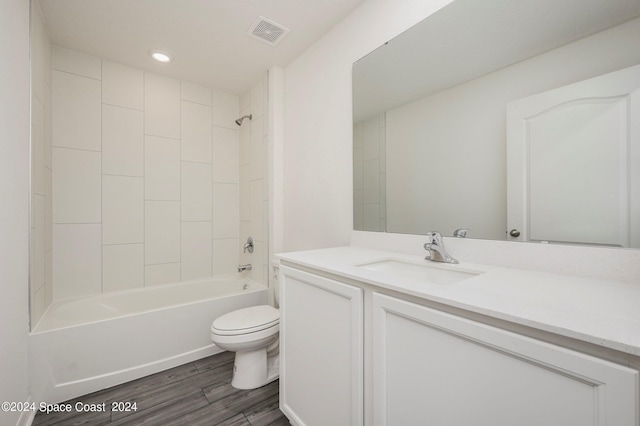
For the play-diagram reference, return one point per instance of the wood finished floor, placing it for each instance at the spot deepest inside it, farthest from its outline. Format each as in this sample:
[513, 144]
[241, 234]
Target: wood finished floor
[197, 393]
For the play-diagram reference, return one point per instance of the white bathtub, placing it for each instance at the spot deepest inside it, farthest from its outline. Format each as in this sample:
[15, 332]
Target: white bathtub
[83, 345]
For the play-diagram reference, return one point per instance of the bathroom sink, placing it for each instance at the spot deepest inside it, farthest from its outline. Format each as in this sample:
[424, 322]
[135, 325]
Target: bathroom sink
[422, 272]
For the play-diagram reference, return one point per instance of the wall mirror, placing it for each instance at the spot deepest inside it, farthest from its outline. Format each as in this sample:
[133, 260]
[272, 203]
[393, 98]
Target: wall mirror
[432, 150]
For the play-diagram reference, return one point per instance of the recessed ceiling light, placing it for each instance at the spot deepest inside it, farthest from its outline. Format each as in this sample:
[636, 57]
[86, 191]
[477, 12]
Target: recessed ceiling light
[160, 56]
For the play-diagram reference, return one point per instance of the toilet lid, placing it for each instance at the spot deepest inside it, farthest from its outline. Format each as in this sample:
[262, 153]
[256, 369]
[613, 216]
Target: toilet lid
[247, 320]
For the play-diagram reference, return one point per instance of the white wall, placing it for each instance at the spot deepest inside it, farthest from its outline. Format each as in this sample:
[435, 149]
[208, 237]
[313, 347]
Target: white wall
[146, 182]
[318, 123]
[459, 136]
[14, 214]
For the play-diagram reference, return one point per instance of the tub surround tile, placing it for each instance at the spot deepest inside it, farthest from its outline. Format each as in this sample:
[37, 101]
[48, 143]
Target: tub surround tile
[195, 93]
[77, 112]
[122, 85]
[196, 192]
[226, 160]
[226, 210]
[77, 256]
[256, 216]
[225, 256]
[122, 141]
[78, 63]
[162, 232]
[164, 273]
[122, 267]
[38, 147]
[77, 185]
[162, 168]
[196, 127]
[122, 210]
[245, 194]
[257, 150]
[196, 250]
[161, 106]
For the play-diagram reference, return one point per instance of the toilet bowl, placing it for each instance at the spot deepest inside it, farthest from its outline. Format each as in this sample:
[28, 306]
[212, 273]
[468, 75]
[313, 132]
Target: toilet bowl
[252, 333]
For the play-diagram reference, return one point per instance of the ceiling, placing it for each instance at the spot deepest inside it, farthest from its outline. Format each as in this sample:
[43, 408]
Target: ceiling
[207, 38]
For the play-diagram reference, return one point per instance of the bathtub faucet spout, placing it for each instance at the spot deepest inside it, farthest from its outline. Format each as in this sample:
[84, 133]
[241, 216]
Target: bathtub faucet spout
[246, 267]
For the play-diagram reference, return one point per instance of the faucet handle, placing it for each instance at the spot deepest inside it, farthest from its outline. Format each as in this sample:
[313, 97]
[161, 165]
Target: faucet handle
[434, 238]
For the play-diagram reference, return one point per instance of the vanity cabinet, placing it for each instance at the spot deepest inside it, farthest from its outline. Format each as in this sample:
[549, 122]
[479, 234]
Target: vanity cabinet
[431, 367]
[427, 366]
[321, 350]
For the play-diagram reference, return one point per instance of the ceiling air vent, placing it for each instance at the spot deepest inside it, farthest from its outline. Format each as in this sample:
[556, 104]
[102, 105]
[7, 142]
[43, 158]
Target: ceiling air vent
[267, 31]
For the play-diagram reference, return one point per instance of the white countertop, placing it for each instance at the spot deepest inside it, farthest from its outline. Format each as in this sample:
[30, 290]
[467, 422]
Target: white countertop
[604, 313]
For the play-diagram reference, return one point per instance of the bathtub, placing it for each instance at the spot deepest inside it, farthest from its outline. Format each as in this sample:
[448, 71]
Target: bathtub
[83, 345]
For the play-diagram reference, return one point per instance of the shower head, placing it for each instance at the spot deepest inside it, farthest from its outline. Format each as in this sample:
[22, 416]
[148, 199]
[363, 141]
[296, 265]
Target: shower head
[239, 120]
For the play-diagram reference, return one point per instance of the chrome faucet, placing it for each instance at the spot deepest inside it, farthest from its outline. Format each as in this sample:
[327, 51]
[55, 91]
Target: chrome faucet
[435, 247]
[248, 246]
[460, 233]
[246, 267]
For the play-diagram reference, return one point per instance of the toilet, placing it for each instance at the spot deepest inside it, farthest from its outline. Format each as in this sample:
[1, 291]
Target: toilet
[252, 333]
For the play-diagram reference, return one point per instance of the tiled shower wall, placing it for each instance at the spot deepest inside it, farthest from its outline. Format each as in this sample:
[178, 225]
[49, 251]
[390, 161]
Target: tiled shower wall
[369, 174]
[41, 268]
[253, 179]
[146, 177]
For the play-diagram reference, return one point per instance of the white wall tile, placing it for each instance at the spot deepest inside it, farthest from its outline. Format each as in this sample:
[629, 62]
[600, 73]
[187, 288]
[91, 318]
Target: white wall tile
[122, 267]
[226, 109]
[48, 259]
[76, 111]
[196, 125]
[162, 168]
[226, 210]
[77, 256]
[196, 192]
[357, 168]
[371, 181]
[371, 217]
[225, 257]
[226, 155]
[164, 273]
[122, 210]
[257, 150]
[358, 212]
[255, 210]
[122, 85]
[194, 93]
[162, 232]
[244, 193]
[76, 63]
[76, 186]
[244, 144]
[39, 270]
[161, 106]
[122, 141]
[38, 146]
[48, 126]
[196, 254]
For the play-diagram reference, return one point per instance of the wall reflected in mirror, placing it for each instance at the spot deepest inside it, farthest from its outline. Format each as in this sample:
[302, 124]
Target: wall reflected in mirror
[430, 122]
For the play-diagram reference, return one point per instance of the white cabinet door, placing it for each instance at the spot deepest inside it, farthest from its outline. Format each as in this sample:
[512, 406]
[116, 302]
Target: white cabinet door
[321, 350]
[432, 368]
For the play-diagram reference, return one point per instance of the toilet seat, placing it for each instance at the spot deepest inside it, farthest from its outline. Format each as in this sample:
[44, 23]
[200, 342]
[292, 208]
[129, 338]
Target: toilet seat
[246, 321]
